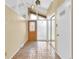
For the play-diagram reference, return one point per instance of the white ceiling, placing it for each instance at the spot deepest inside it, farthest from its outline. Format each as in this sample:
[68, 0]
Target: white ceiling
[21, 4]
[43, 3]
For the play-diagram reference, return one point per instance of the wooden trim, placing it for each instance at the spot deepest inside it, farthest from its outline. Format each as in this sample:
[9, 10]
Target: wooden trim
[33, 12]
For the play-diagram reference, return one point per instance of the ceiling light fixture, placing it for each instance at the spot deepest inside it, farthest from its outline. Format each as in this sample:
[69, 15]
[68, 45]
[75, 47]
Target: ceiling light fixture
[37, 2]
[33, 6]
[37, 5]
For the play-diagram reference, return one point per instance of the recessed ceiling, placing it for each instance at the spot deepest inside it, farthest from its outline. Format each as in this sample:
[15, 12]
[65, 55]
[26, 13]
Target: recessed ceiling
[43, 3]
[45, 7]
[54, 5]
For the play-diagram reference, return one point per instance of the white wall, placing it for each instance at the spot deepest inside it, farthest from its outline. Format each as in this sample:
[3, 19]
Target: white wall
[16, 32]
[19, 7]
[63, 31]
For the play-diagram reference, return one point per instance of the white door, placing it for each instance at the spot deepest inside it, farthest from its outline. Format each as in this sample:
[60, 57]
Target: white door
[63, 32]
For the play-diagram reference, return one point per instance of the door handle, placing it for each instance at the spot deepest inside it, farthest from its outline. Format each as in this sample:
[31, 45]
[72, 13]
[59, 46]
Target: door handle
[56, 25]
[57, 34]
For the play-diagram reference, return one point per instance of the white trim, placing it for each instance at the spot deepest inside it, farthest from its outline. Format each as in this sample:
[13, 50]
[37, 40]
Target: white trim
[58, 54]
[18, 49]
[15, 11]
[11, 8]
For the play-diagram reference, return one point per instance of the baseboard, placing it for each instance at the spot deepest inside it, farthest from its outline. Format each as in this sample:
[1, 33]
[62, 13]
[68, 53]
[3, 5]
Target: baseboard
[58, 54]
[22, 44]
[56, 51]
[18, 49]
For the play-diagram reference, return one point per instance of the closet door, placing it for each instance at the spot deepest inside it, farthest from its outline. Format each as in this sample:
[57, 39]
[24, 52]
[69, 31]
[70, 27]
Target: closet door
[63, 32]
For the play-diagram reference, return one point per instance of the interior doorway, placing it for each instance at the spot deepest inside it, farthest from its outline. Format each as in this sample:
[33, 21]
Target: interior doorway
[45, 29]
[32, 30]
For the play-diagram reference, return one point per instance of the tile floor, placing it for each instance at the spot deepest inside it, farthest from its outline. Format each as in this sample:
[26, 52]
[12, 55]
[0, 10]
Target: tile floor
[36, 50]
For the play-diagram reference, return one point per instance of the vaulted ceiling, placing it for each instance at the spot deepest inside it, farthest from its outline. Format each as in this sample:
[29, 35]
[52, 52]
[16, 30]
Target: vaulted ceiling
[45, 7]
[43, 3]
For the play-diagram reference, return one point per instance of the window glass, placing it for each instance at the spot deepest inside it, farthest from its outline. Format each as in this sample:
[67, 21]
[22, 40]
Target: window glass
[33, 17]
[42, 18]
[32, 26]
[41, 30]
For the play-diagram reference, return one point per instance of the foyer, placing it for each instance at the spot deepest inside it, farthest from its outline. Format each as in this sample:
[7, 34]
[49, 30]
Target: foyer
[38, 29]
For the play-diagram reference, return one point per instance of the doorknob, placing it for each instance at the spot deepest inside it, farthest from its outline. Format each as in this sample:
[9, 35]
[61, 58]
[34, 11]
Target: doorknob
[57, 34]
[56, 25]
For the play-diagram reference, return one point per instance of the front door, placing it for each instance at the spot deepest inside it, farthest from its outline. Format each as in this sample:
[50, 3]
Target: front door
[32, 30]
